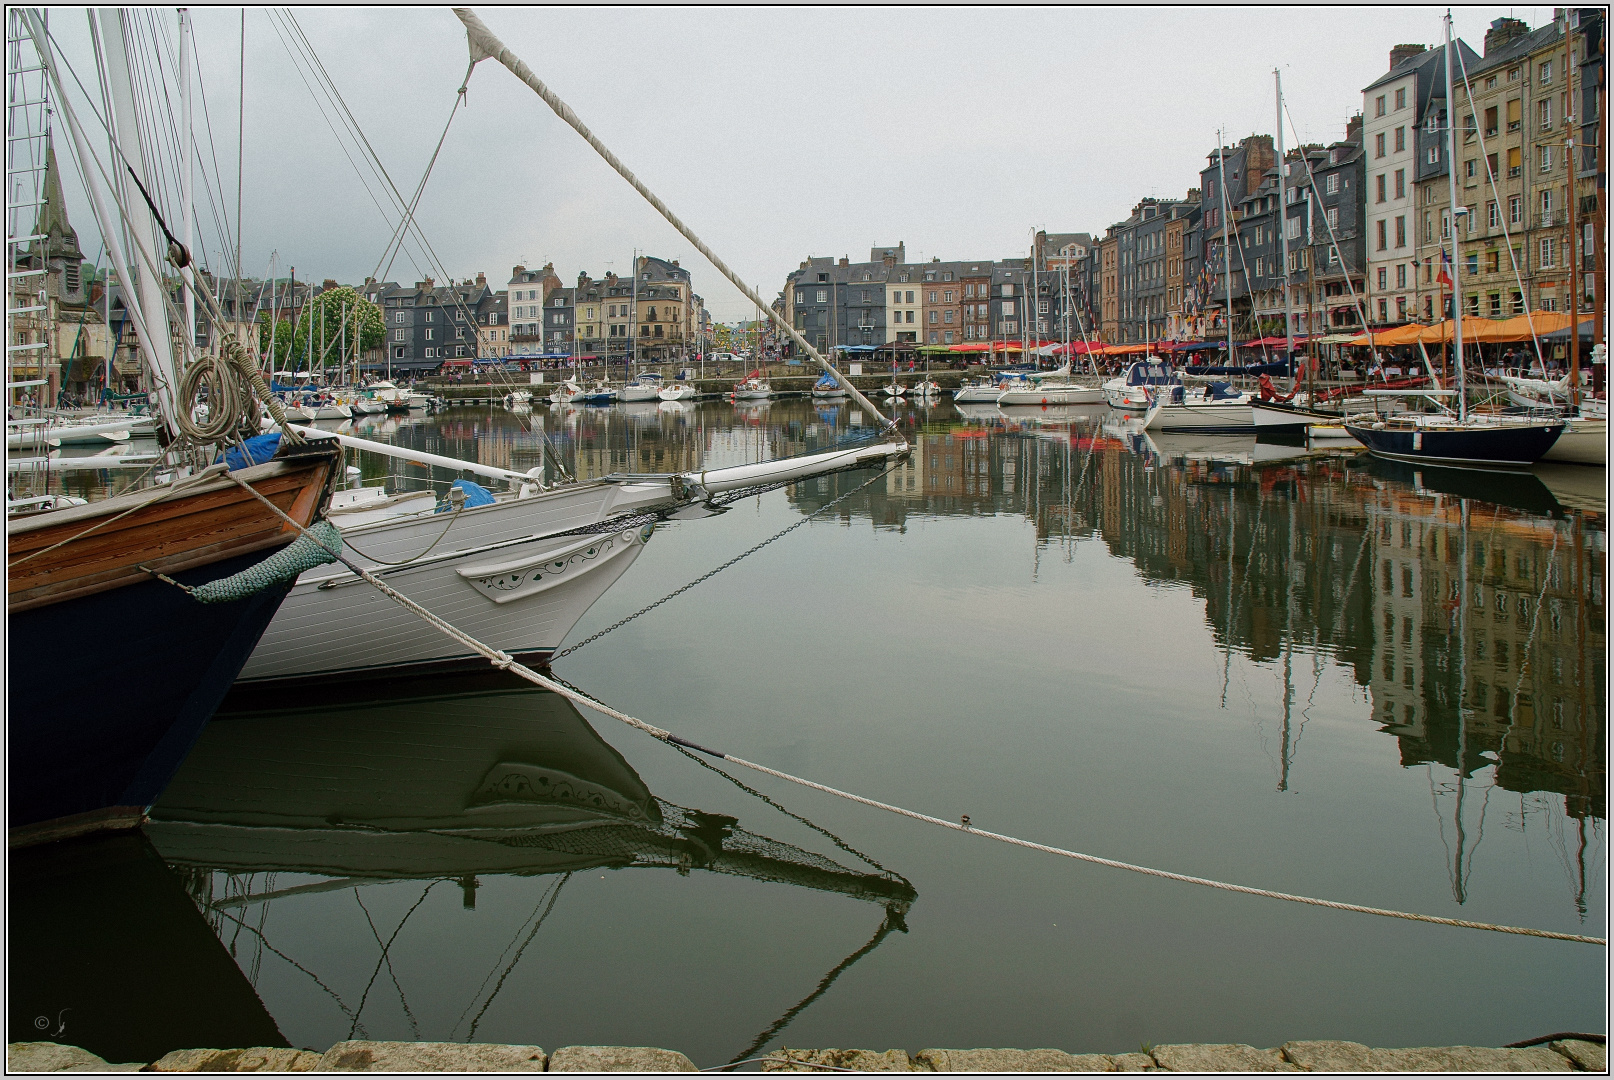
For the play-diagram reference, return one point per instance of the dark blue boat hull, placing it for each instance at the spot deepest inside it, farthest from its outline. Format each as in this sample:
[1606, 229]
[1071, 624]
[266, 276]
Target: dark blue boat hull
[1510, 446]
[110, 691]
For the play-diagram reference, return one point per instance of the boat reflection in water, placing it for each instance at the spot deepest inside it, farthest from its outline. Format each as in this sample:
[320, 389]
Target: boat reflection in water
[443, 779]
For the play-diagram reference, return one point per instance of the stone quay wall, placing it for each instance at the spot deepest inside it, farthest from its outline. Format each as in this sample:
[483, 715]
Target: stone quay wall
[1557, 1055]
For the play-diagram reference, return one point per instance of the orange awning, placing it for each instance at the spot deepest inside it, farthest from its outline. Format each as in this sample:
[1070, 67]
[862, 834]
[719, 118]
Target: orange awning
[1401, 335]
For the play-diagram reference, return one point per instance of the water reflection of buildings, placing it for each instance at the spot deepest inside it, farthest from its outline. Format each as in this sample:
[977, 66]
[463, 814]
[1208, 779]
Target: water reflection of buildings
[1331, 555]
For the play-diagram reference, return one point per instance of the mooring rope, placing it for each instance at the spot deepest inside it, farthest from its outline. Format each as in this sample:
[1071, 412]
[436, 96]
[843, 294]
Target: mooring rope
[505, 662]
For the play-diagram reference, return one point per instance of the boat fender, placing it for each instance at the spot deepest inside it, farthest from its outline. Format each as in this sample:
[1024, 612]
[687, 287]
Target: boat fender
[304, 553]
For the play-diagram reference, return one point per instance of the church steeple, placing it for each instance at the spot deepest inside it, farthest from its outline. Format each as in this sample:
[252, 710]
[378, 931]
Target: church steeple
[61, 242]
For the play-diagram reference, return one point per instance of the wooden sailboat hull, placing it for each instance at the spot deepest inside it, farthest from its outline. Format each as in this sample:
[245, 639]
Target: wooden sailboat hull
[1584, 442]
[1500, 445]
[93, 740]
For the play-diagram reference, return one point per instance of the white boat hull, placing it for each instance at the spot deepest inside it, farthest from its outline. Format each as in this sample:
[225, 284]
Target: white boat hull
[1046, 393]
[1582, 442]
[523, 597]
[1119, 395]
[639, 392]
[679, 392]
[1204, 416]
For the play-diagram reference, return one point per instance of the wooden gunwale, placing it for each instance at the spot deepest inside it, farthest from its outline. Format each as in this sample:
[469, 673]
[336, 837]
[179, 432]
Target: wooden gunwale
[198, 525]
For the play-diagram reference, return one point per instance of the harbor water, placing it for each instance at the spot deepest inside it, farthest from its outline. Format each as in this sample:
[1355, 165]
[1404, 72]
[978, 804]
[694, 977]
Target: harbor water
[1313, 673]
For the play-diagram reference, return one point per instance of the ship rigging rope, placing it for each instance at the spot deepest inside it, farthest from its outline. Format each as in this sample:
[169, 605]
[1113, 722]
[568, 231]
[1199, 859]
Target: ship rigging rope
[718, 570]
[505, 662]
[484, 44]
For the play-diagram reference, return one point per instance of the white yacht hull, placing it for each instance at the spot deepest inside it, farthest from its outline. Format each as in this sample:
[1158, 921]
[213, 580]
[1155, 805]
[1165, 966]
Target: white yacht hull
[1207, 417]
[523, 596]
[1046, 393]
[1582, 442]
[1119, 395]
[639, 392]
[679, 392]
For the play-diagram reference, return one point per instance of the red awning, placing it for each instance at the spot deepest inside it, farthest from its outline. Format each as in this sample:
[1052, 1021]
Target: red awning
[458, 363]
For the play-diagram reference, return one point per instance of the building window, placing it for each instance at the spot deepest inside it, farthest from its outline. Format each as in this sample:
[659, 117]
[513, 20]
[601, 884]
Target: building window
[1400, 137]
[397, 335]
[1515, 209]
[1378, 183]
[823, 295]
[1384, 279]
[1378, 106]
[1378, 145]
[1401, 183]
[1493, 217]
[1544, 73]
[1333, 217]
[1401, 232]
[1496, 305]
[1384, 305]
[1549, 253]
[1401, 99]
[1544, 113]
[1546, 200]
[1434, 155]
[1546, 159]
[1331, 185]
[397, 316]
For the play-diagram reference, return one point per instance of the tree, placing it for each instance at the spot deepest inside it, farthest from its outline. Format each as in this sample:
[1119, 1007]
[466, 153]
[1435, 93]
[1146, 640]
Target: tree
[338, 316]
[280, 335]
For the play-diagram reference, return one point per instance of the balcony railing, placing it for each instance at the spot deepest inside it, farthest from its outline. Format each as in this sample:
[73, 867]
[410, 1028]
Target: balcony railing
[1513, 125]
[1515, 171]
[1549, 219]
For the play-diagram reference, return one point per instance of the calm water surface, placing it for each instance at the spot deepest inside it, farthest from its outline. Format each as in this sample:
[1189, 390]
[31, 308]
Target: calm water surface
[1317, 674]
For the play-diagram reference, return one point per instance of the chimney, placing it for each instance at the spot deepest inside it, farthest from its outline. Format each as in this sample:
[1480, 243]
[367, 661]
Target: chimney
[481, 280]
[517, 270]
[845, 261]
[1402, 53]
[1503, 31]
[1353, 129]
[582, 278]
[329, 283]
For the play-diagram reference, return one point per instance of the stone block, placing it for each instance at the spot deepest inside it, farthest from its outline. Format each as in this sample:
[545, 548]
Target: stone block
[1328, 1055]
[618, 1059]
[59, 1057]
[250, 1059]
[362, 1056]
[1588, 1056]
[985, 1060]
[1219, 1057]
[1133, 1063]
[1471, 1059]
[858, 1060]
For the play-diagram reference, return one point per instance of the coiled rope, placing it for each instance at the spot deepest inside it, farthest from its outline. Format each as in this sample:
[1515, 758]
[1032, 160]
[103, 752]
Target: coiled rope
[505, 662]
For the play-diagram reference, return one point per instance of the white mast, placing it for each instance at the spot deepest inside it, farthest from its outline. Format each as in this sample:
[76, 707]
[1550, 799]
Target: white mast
[186, 216]
[158, 343]
[1227, 251]
[1456, 272]
[1283, 231]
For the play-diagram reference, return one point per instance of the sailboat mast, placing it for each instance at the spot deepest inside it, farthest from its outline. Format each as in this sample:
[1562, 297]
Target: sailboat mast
[1227, 251]
[1574, 240]
[186, 216]
[1456, 263]
[1283, 232]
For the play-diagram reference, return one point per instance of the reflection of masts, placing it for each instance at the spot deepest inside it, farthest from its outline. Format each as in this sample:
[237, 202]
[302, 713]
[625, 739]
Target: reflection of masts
[893, 921]
[1288, 646]
[1458, 885]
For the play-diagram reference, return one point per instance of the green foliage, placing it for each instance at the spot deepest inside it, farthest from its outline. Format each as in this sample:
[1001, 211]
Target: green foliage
[333, 313]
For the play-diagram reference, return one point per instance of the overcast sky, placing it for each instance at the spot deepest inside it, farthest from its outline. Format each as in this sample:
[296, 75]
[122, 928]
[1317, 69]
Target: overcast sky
[775, 133]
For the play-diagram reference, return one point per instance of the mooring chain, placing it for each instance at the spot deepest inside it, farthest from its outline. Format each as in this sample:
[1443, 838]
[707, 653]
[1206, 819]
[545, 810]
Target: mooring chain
[718, 570]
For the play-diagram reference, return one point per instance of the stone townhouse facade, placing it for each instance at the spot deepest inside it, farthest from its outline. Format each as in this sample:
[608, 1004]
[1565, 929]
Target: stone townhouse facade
[1515, 171]
[427, 324]
[976, 278]
[1394, 108]
[1231, 175]
[942, 313]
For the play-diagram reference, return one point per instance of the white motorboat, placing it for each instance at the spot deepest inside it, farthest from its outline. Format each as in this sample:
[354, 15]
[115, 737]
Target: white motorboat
[1131, 391]
[983, 391]
[518, 397]
[645, 387]
[565, 393]
[679, 391]
[893, 390]
[925, 388]
[601, 393]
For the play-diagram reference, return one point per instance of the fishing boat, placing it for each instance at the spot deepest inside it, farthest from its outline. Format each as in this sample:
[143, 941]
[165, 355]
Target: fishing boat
[1133, 390]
